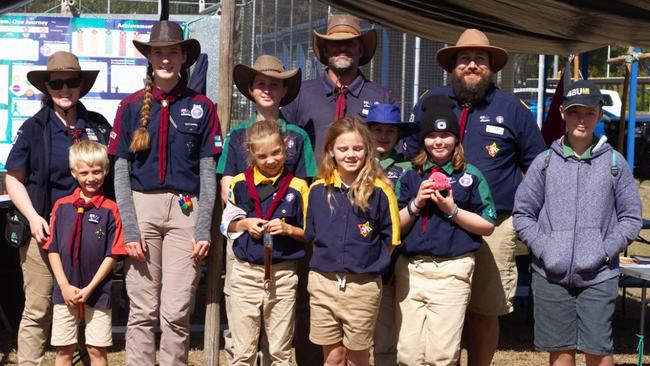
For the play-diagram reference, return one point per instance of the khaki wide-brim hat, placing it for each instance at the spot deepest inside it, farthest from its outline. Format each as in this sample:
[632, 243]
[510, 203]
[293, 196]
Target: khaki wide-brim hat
[343, 27]
[166, 33]
[62, 61]
[270, 66]
[474, 39]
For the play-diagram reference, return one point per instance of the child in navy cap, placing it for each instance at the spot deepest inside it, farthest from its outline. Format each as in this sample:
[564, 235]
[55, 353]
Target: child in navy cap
[445, 207]
[577, 208]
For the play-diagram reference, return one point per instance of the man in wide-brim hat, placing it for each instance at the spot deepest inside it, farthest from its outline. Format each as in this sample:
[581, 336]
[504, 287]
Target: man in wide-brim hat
[501, 139]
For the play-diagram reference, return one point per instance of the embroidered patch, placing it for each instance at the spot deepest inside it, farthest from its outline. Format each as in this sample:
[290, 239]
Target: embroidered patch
[365, 229]
[217, 141]
[190, 146]
[99, 233]
[484, 119]
[289, 197]
[91, 134]
[291, 143]
[466, 180]
[185, 112]
[94, 218]
[500, 119]
[197, 111]
[113, 135]
[492, 149]
[412, 118]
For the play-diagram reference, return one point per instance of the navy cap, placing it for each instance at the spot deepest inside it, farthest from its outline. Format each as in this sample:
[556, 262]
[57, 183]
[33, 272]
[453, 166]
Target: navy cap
[388, 114]
[438, 116]
[582, 92]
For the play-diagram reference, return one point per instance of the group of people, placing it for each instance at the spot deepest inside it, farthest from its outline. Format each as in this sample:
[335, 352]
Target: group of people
[348, 229]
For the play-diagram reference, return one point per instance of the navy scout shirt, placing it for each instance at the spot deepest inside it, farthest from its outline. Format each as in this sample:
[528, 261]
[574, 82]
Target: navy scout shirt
[501, 140]
[299, 156]
[394, 167]
[193, 133]
[314, 107]
[101, 237]
[345, 238]
[442, 237]
[290, 209]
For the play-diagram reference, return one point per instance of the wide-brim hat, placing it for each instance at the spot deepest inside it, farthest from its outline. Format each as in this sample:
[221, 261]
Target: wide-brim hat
[584, 93]
[389, 114]
[62, 61]
[270, 66]
[166, 33]
[343, 27]
[474, 39]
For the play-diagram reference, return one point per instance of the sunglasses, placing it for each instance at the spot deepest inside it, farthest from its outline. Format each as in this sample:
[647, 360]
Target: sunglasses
[58, 84]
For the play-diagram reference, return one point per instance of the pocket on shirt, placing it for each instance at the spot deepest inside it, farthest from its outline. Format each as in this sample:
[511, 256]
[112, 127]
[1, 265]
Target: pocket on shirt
[590, 254]
[190, 134]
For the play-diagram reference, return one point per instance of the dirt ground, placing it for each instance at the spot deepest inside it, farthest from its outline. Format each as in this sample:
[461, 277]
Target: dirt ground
[515, 345]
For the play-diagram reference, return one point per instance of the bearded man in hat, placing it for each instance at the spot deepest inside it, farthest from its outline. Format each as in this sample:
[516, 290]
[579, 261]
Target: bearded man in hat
[500, 138]
[342, 89]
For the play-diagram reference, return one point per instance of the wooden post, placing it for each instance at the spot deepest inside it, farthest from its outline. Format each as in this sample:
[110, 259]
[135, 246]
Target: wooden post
[214, 289]
[622, 123]
[576, 68]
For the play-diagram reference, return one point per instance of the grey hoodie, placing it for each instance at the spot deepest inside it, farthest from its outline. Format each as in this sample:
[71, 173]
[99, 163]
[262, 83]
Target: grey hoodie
[579, 218]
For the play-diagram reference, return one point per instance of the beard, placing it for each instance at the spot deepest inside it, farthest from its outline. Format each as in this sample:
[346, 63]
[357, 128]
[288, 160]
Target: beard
[471, 93]
[340, 65]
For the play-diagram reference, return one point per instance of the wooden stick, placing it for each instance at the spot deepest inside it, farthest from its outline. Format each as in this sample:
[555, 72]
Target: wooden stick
[576, 68]
[622, 123]
[623, 58]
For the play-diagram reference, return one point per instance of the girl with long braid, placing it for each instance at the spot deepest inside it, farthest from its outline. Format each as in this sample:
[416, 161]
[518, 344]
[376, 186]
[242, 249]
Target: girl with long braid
[165, 138]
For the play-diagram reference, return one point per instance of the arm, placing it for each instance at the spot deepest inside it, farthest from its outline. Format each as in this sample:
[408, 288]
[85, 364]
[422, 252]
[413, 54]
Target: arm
[208, 187]
[279, 227]
[252, 225]
[135, 243]
[467, 220]
[68, 291]
[530, 140]
[225, 183]
[529, 200]
[104, 270]
[421, 198]
[20, 198]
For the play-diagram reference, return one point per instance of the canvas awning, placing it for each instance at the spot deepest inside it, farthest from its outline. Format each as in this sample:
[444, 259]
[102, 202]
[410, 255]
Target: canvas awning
[525, 26]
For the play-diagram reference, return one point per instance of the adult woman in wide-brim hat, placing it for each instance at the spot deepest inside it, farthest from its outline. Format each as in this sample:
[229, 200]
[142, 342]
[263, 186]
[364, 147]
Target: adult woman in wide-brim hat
[38, 174]
[165, 138]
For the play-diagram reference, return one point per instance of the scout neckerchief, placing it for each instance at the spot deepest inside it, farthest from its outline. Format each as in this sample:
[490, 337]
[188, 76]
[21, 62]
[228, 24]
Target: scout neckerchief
[464, 114]
[75, 237]
[74, 134]
[165, 101]
[426, 210]
[340, 102]
[285, 179]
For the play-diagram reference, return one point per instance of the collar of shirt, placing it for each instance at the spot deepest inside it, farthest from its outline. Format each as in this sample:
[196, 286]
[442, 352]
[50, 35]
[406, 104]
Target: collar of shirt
[487, 98]
[178, 91]
[390, 160]
[447, 167]
[259, 178]
[335, 180]
[58, 124]
[96, 200]
[282, 122]
[568, 151]
[354, 87]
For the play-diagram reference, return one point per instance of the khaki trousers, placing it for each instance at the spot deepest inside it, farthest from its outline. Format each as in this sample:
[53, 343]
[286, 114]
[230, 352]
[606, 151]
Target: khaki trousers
[164, 285]
[36, 321]
[433, 294]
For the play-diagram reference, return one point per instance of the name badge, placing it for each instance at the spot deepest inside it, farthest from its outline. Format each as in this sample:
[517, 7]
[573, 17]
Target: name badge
[91, 134]
[494, 129]
[94, 218]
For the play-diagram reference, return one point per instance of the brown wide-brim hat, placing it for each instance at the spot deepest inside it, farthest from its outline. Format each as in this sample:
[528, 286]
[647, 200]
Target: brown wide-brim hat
[62, 61]
[270, 66]
[166, 33]
[474, 39]
[343, 27]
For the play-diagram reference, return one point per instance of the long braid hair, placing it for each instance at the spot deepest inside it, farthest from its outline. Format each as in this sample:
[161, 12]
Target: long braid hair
[141, 141]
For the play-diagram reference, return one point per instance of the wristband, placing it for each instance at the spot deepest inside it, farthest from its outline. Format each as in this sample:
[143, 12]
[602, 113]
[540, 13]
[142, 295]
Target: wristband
[453, 213]
[411, 207]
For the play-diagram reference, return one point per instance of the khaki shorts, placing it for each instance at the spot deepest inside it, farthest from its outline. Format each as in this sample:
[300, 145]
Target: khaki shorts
[65, 326]
[495, 274]
[344, 311]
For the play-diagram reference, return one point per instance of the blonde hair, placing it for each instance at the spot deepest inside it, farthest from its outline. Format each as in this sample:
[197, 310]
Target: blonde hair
[261, 130]
[364, 183]
[457, 158]
[89, 152]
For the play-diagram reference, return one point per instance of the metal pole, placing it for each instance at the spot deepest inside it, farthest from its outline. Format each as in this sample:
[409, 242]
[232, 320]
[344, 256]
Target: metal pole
[275, 30]
[108, 6]
[556, 63]
[403, 86]
[291, 60]
[416, 71]
[541, 75]
[631, 127]
[250, 104]
[609, 55]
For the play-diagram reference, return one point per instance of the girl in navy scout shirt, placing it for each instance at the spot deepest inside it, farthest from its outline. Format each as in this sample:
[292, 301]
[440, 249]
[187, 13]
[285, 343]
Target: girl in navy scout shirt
[265, 206]
[446, 206]
[353, 221]
[165, 138]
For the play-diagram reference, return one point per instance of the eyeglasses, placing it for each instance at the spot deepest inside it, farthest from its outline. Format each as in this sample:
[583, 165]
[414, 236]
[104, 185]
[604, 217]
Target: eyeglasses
[58, 84]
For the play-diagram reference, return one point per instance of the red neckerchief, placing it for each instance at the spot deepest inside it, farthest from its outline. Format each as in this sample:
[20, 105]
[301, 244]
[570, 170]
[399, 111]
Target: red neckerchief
[285, 179]
[464, 114]
[75, 237]
[165, 101]
[426, 211]
[74, 134]
[340, 102]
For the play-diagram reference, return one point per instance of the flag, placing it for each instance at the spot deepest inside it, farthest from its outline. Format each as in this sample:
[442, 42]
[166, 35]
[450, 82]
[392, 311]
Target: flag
[554, 126]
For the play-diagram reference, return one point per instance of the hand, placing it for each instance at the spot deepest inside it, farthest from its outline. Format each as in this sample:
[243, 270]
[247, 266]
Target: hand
[83, 295]
[69, 293]
[278, 227]
[445, 204]
[425, 193]
[39, 228]
[201, 249]
[254, 226]
[136, 250]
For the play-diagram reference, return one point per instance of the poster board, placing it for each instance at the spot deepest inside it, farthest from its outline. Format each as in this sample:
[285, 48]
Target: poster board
[100, 44]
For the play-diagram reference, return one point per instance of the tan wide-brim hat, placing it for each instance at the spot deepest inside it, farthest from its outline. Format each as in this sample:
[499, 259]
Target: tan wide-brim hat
[62, 61]
[343, 27]
[166, 33]
[270, 66]
[474, 39]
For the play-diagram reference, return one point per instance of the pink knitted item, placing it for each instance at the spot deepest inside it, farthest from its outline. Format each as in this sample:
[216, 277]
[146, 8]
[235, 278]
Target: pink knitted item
[440, 181]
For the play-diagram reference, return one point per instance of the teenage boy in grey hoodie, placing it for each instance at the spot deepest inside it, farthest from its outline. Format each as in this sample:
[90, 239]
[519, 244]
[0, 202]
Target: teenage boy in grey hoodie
[577, 209]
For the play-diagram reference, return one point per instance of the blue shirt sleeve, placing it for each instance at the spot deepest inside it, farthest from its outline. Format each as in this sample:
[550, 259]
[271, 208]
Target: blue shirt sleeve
[403, 190]
[228, 158]
[530, 140]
